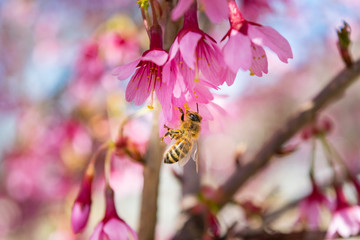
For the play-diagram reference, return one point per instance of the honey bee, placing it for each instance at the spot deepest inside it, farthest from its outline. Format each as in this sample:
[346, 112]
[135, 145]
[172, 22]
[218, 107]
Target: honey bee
[186, 138]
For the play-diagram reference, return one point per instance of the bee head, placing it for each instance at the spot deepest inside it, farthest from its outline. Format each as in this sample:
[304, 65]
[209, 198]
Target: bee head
[194, 116]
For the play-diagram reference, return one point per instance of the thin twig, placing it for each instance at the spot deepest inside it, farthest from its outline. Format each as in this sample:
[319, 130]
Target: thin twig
[307, 112]
[303, 116]
[153, 158]
[154, 154]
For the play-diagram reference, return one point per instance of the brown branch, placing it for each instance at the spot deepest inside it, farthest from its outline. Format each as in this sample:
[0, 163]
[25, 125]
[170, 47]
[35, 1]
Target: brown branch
[303, 116]
[153, 158]
[171, 27]
[154, 154]
[263, 235]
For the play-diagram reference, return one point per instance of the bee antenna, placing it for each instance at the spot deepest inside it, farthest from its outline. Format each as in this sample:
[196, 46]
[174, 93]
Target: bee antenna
[197, 107]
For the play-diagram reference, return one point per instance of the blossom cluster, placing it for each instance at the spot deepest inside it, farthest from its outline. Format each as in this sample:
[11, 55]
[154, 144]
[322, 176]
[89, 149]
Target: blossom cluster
[196, 65]
[345, 221]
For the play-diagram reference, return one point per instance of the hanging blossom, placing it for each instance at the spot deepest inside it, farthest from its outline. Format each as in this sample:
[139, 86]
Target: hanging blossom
[147, 78]
[244, 48]
[81, 209]
[216, 10]
[194, 66]
[117, 49]
[311, 205]
[346, 218]
[89, 65]
[194, 54]
[112, 226]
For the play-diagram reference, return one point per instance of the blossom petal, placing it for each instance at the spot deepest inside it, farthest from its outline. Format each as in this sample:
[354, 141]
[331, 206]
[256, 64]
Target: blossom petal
[163, 93]
[228, 76]
[313, 214]
[269, 37]
[202, 94]
[138, 87]
[116, 229]
[188, 44]
[125, 71]
[158, 57]
[174, 49]
[180, 9]
[237, 52]
[343, 224]
[79, 216]
[97, 232]
[205, 113]
[259, 63]
[216, 10]
[187, 74]
[210, 61]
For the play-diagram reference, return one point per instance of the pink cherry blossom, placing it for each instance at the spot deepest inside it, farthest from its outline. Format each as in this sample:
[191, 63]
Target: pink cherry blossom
[194, 54]
[346, 218]
[148, 73]
[112, 226]
[89, 69]
[311, 205]
[216, 10]
[117, 49]
[81, 209]
[244, 48]
[89, 66]
[195, 65]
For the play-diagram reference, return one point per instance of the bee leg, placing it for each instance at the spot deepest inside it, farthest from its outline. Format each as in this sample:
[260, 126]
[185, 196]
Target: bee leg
[170, 132]
[166, 134]
[182, 114]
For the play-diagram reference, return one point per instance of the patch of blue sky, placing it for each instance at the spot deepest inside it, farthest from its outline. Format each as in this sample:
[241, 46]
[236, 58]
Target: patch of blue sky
[7, 130]
[44, 79]
[306, 30]
[311, 24]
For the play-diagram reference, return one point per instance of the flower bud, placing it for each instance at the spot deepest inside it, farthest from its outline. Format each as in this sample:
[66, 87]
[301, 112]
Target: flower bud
[344, 43]
[112, 226]
[81, 209]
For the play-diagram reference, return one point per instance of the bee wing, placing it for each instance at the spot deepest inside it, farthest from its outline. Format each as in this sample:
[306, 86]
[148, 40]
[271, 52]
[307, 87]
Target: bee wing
[190, 154]
[195, 155]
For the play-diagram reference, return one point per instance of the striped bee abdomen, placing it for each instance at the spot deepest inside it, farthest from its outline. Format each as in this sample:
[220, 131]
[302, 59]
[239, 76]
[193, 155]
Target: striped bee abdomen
[177, 151]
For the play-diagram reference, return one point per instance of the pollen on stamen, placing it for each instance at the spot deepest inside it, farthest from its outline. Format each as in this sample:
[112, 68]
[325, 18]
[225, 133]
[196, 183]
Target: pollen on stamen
[186, 106]
[196, 80]
[251, 72]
